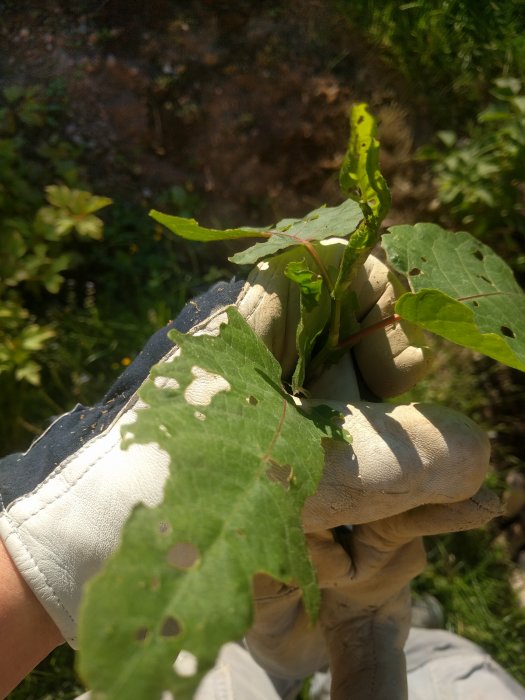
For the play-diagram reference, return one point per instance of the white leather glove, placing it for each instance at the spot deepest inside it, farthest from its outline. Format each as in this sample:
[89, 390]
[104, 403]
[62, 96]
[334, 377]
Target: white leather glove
[64, 502]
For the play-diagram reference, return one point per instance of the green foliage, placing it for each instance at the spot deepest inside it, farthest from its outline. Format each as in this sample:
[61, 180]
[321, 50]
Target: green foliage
[461, 290]
[470, 575]
[322, 290]
[183, 574]
[449, 50]
[73, 313]
[480, 177]
[34, 254]
[177, 577]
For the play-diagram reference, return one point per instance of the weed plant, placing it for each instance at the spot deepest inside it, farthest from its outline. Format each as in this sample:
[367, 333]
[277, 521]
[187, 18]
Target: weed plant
[449, 51]
[116, 292]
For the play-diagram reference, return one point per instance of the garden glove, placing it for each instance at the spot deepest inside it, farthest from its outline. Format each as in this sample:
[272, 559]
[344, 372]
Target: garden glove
[410, 471]
[64, 502]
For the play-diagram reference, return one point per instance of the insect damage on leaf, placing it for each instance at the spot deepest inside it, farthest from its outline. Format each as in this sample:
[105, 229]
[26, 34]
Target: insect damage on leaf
[181, 579]
[461, 290]
[243, 456]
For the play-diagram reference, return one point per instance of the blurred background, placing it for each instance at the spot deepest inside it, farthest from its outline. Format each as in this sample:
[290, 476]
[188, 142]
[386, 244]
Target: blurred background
[236, 113]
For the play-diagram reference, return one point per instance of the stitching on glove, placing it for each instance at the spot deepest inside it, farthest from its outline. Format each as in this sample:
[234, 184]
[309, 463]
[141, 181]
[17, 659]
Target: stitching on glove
[290, 590]
[59, 469]
[480, 505]
[14, 532]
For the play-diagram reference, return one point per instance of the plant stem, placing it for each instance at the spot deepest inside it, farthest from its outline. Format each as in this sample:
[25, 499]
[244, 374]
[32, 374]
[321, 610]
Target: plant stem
[322, 269]
[364, 332]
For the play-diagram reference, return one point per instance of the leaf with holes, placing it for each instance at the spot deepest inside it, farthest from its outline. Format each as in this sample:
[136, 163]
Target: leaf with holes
[360, 176]
[243, 460]
[318, 225]
[461, 290]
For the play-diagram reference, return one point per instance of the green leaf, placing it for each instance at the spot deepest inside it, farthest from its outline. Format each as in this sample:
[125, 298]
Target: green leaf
[461, 290]
[75, 201]
[315, 312]
[360, 176]
[310, 282]
[190, 229]
[325, 222]
[242, 465]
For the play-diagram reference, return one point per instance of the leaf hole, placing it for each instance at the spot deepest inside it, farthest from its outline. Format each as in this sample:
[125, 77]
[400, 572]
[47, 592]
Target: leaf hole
[479, 255]
[164, 527]
[252, 400]
[475, 303]
[183, 555]
[423, 259]
[508, 332]
[361, 119]
[414, 272]
[186, 664]
[280, 474]
[141, 634]
[170, 627]
[199, 416]
[485, 279]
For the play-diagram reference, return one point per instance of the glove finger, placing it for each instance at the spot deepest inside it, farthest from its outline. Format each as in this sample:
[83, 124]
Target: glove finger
[282, 638]
[365, 646]
[393, 358]
[435, 519]
[270, 304]
[401, 457]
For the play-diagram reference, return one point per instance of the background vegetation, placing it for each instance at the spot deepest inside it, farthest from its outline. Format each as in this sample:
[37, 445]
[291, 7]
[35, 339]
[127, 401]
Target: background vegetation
[84, 283]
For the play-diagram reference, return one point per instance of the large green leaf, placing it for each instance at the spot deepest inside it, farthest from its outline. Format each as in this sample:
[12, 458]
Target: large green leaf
[461, 290]
[242, 464]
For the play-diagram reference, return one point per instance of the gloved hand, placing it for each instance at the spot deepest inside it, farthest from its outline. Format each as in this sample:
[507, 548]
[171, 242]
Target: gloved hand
[65, 501]
[410, 471]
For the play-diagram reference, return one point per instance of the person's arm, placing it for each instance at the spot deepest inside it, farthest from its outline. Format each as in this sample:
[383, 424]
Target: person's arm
[28, 634]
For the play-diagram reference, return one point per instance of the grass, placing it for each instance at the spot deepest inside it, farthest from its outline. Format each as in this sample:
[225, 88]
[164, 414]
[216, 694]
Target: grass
[448, 50]
[470, 572]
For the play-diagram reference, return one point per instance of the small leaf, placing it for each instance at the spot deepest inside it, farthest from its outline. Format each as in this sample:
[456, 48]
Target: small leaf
[314, 314]
[360, 176]
[461, 289]
[232, 508]
[309, 281]
[190, 229]
[325, 222]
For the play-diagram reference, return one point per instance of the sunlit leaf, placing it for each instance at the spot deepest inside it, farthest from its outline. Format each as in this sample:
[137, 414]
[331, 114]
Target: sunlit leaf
[461, 290]
[242, 464]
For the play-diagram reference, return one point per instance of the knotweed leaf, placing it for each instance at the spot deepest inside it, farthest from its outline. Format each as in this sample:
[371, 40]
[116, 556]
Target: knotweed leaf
[315, 312]
[319, 224]
[243, 460]
[192, 231]
[461, 290]
[360, 176]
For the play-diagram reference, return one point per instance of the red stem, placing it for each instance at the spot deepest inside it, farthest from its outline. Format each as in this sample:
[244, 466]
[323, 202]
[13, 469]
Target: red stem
[356, 337]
